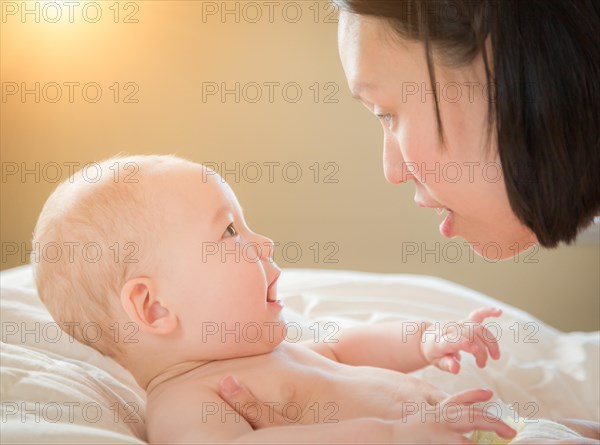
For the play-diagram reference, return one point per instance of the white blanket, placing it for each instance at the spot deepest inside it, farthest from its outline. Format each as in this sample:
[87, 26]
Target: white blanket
[56, 390]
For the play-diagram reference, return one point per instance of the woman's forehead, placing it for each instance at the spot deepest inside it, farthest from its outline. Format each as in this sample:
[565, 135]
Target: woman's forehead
[360, 54]
[373, 63]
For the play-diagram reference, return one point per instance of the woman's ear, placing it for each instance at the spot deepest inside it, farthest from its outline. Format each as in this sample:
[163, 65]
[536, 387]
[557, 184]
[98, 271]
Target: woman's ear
[139, 300]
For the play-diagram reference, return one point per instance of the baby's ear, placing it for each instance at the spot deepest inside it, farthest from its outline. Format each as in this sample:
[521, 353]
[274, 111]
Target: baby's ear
[139, 300]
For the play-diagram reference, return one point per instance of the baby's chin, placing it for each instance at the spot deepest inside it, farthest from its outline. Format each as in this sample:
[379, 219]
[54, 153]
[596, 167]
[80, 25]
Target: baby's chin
[241, 351]
[250, 342]
[273, 339]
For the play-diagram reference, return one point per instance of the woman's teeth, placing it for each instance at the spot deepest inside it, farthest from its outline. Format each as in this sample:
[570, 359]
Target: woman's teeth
[441, 210]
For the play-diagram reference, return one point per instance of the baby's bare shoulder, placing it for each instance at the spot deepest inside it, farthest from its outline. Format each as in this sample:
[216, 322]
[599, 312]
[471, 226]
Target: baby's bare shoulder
[173, 398]
[189, 411]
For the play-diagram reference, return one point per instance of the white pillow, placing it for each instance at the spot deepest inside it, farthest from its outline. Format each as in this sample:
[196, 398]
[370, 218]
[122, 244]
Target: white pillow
[55, 389]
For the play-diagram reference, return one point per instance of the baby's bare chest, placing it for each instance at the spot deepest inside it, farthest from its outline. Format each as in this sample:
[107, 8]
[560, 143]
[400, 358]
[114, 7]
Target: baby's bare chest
[304, 387]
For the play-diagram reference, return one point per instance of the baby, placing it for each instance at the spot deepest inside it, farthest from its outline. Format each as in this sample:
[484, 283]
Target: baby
[186, 295]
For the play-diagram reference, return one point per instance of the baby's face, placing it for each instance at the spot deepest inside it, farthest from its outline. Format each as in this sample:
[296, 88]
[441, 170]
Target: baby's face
[216, 273]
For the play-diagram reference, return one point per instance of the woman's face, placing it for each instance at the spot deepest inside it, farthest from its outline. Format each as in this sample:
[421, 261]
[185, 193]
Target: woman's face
[390, 77]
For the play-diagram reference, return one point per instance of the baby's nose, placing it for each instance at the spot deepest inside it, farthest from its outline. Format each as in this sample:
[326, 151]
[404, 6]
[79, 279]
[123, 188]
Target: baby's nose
[266, 247]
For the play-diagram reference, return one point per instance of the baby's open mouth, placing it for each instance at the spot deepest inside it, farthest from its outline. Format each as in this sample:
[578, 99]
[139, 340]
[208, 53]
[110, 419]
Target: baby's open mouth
[272, 291]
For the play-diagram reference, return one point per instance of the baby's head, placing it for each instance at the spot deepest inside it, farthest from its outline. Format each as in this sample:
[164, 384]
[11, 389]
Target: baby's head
[160, 242]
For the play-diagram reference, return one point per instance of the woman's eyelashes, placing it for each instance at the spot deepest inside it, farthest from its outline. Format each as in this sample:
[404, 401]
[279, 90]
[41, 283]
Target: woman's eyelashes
[386, 119]
[230, 231]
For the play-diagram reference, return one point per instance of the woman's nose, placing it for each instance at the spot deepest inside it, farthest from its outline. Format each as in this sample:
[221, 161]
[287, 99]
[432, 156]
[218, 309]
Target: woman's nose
[393, 162]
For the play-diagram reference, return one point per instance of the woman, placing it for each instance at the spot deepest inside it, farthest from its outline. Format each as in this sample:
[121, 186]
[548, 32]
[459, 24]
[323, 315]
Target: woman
[508, 142]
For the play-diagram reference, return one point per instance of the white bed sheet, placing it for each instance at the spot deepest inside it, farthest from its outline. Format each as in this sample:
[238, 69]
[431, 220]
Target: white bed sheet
[65, 392]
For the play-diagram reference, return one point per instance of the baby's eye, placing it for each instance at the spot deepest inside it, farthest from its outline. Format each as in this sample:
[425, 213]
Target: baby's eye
[230, 230]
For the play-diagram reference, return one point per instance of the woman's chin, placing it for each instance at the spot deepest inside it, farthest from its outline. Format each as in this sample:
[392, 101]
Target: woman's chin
[501, 250]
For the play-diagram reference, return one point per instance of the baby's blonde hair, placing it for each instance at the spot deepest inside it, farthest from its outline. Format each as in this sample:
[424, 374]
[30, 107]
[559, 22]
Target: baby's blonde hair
[96, 231]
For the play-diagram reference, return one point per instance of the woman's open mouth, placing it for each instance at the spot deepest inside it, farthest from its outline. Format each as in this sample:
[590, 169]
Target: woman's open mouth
[448, 223]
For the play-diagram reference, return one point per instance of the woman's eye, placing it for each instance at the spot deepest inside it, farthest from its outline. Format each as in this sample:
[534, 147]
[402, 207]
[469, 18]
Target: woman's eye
[385, 118]
[230, 230]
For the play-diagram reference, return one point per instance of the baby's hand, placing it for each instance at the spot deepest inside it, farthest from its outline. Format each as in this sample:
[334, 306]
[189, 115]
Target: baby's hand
[441, 343]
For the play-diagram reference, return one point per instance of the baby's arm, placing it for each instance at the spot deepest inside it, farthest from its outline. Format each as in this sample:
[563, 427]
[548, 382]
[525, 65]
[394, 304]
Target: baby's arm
[383, 345]
[408, 346]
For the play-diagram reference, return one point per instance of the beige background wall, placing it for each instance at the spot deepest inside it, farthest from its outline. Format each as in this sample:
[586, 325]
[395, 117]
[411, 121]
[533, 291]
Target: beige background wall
[164, 61]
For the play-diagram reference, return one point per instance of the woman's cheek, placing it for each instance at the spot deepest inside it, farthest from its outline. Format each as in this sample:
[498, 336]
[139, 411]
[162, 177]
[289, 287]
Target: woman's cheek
[421, 154]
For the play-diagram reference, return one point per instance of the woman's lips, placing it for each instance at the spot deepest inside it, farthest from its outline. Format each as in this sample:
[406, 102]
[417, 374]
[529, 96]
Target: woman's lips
[447, 225]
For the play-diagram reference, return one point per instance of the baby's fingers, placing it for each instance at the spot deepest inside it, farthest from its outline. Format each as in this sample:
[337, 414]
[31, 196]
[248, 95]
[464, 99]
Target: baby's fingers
[474, 345]
[478, 349]
[490, 341]
[482, 343]
[450, 363]
[478, 315]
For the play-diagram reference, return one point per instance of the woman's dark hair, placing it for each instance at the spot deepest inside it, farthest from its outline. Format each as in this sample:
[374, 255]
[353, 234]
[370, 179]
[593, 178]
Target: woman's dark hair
[546, 106]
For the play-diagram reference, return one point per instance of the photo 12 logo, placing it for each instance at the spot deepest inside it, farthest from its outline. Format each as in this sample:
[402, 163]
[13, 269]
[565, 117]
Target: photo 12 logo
[454, 252]
[69, 91]
[52, 332]
[253, 412]
[269, 12]
[53, 172]
[269, 92]
[69, 12]
[70, 412]
[272, 171]
[69, 252]
[252, 332]
[252, 252]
